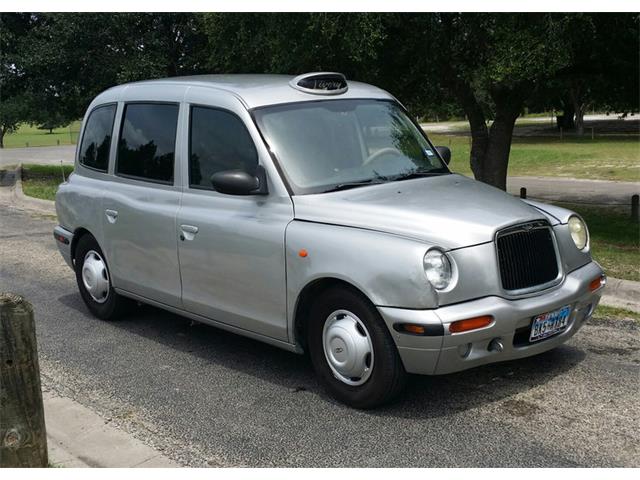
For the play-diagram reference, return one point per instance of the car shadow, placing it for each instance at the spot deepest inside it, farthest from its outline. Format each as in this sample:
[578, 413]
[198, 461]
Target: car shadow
[424, 396]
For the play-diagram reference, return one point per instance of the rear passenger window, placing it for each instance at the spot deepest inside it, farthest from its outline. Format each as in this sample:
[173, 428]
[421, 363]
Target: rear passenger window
[96, 139]
[218, 141]
[147, 144]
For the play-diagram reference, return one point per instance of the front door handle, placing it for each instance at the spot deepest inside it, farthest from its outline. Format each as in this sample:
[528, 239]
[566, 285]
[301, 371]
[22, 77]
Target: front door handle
[188, 232]
[112, 215]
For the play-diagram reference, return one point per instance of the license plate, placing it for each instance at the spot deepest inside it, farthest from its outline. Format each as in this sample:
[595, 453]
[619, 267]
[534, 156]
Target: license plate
[550, 323]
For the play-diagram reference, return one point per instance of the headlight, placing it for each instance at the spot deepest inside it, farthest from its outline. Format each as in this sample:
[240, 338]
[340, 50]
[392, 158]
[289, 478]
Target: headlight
[438, 268]
[578, 231]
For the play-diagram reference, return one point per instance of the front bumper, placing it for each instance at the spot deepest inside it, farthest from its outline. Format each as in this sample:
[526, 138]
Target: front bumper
[64, 238]
[440, 352]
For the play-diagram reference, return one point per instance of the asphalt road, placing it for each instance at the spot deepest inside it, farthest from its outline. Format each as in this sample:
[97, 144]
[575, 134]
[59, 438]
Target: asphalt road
[207, 397]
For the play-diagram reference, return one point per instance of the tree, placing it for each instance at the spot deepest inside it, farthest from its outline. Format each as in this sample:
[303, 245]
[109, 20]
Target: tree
[603, 68]
[294, 42]
[491, 64]
[14, 98]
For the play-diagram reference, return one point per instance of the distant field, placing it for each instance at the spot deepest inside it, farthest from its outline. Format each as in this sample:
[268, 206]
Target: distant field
[604, 158]
[28, 135]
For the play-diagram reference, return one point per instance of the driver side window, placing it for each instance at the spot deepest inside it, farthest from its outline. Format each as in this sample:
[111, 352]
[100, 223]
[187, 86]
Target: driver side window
[218, 141]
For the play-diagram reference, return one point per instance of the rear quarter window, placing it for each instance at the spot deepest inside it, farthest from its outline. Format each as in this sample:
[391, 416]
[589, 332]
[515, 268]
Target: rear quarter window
[96, 138]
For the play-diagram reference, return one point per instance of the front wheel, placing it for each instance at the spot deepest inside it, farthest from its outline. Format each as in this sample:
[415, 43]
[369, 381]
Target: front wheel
[352, 351]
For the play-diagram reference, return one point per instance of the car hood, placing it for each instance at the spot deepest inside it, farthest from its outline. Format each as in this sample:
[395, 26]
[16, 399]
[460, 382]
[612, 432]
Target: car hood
[451, 211]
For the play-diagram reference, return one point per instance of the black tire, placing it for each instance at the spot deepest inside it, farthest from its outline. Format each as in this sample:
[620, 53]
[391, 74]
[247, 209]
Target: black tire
[387, 378]
[115, 305]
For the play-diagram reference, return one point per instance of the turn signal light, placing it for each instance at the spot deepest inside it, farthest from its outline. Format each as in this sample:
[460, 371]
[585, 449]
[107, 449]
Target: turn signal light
[415, 329]
[470, 324]
[598, 282]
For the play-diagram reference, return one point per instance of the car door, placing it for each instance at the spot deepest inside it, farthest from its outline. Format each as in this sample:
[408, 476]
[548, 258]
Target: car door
[232, 258]
[141, 204]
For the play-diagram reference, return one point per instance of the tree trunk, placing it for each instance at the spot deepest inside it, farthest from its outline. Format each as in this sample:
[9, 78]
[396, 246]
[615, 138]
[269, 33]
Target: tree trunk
[23, 438]
[490, 147]
[497, 156]
[478, 127]
[2, 137]
[580, 108]
[579, 105]
[568, 113]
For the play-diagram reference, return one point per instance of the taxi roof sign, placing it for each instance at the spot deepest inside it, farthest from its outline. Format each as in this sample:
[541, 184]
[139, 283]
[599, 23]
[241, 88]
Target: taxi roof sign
[321, 83]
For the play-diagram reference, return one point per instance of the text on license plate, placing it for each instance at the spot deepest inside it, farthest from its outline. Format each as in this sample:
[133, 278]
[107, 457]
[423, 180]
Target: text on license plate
[549, 323]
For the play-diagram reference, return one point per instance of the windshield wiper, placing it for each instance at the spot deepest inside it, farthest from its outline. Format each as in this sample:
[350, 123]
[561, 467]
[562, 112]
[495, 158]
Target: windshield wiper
[348, 185]
[421, 173]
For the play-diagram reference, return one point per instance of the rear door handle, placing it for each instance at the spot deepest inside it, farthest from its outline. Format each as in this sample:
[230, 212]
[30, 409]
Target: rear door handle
[112, 215]
[188, 232]
[189, 229]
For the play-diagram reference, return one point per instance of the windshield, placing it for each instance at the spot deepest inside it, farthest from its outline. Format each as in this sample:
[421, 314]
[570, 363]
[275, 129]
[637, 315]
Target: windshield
[334, 144]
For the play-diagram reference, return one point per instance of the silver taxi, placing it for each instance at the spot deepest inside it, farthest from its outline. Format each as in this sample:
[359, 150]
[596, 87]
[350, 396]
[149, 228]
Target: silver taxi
[313, 214]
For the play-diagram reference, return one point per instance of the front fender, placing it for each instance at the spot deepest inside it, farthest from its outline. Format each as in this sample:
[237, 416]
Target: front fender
[386, 268]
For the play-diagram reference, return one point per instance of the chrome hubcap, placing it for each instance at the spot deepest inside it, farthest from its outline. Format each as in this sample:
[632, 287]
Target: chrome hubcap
[347, 347]
[95, 276]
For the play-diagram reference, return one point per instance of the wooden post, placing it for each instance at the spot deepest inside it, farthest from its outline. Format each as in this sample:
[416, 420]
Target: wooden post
[593, 134]
[635, 208]
[523, 192]
[23, 438]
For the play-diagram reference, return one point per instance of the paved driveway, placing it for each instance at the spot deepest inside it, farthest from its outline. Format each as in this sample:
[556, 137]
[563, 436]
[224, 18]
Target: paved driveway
[208, 397]
[41, 155]
[574, 190]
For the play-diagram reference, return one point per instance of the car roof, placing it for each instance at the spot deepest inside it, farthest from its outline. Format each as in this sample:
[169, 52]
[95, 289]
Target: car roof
[254, 90]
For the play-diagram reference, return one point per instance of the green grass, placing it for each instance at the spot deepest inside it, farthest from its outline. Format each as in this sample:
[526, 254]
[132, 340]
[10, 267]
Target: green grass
[42, 181]
[616, 313]
[29, 135]
[615, 240]
[604, 158]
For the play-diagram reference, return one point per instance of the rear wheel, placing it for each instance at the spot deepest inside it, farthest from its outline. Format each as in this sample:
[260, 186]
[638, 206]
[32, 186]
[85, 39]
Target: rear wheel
[352, 351]
[94, 282]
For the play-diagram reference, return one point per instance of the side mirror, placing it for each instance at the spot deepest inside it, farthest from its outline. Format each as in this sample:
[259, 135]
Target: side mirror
[239, 182]
[445, 153]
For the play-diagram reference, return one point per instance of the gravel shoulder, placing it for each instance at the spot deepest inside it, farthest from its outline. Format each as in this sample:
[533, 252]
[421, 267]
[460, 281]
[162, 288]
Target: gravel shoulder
[205, 397]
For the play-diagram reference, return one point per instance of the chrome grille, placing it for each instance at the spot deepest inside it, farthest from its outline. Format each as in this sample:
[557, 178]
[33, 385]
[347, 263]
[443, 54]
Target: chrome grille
[527, 256]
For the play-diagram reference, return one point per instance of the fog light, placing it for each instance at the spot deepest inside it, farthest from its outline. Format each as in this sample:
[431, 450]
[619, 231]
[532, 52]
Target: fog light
[495, 345]
[470, 324]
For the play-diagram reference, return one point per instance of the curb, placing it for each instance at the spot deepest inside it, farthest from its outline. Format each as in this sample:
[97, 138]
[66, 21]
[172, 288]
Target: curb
[77, 437]
[622, 294]
[15, 195]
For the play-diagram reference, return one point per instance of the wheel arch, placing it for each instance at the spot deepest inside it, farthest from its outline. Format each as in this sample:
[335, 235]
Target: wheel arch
[306, 298]
[78, 233]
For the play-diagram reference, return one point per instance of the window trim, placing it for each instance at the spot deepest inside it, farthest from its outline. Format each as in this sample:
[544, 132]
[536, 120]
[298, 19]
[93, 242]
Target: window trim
[175, 143]
[113, 122]
[220, 109]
